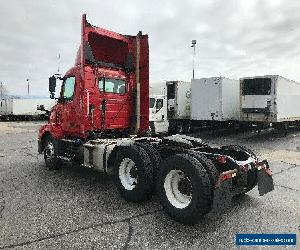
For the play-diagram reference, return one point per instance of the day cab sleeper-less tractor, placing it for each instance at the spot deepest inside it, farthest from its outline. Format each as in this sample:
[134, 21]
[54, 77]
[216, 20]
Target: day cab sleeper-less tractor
[101, 121]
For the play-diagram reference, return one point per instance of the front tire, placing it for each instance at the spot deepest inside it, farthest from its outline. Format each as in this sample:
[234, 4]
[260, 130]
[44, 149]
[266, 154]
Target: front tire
[133, 173]
[184, 188]
[50, 153]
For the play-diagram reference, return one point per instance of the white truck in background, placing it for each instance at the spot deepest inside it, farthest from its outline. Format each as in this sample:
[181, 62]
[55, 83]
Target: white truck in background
[25, 109]
[270, 99]
[202, 102]
[158, 114]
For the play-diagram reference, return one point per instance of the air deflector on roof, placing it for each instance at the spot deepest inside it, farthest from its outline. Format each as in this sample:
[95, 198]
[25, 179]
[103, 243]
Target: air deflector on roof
[106, 51]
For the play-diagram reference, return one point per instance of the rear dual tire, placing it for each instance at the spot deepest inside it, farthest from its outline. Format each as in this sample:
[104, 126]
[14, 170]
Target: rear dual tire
[184, 188]
[133, 173]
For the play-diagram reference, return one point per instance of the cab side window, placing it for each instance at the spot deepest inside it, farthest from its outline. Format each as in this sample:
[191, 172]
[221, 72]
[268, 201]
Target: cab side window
[116, 86]
[68, 88]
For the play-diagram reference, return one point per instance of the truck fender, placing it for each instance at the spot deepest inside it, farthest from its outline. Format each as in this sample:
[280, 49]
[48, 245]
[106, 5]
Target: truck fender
[48, 130]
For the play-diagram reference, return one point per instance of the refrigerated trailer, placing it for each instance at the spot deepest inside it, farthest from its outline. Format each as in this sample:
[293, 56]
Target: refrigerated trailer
[215, 99]
[270, 99]
[24, 109]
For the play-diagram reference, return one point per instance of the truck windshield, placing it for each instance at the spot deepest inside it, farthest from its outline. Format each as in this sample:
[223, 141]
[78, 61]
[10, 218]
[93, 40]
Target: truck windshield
[257, 86]
[152, 102]
[159, 104]
[116, 86]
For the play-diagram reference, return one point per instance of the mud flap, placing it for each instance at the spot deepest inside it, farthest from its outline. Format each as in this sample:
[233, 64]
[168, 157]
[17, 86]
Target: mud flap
[222, 196]
[264, 182]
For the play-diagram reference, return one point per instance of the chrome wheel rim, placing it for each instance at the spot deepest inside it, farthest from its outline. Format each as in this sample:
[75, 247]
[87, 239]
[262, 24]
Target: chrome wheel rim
[49, 151]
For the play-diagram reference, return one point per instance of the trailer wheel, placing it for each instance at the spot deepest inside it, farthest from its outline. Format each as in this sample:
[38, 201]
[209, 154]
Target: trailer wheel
[133, 173]
[50, 153]
[187, 127]
[152, 129]
[184, 188]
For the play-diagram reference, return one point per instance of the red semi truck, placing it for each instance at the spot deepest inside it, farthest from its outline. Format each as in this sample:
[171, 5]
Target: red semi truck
[101, 120]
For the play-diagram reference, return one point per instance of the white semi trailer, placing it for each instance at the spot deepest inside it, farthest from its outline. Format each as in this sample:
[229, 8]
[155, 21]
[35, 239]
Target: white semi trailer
[25, 109]
[269, 99]
[215, 99]
[202, 102]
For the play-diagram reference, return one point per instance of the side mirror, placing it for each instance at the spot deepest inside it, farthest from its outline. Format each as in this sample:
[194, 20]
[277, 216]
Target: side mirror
[52, 86]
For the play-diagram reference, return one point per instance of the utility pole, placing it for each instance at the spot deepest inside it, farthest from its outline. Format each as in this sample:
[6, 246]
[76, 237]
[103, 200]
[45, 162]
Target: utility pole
[27, 86]
[194, 48]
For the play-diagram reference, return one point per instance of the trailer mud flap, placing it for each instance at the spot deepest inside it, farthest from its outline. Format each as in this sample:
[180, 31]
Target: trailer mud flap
[264, 182]
[222, 196]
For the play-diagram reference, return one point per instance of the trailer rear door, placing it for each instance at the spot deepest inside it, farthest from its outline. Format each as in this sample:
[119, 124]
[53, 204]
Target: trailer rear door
[206, 99]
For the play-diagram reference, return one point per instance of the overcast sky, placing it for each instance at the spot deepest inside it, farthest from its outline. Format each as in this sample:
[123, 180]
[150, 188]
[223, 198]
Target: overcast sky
[235, 38]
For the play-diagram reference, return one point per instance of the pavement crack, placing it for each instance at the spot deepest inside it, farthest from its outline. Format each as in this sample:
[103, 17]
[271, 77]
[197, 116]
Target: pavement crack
[2, 208]
[286, 169]
[293, 189]
[129, 235]
[2, 204]
[83, 229]
[293, 164]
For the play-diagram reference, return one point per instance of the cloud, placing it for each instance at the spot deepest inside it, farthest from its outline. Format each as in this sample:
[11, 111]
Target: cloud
[234, 38]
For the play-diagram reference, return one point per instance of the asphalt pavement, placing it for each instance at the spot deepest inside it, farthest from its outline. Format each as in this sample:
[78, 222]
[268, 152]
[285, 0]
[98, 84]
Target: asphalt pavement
[77, 208]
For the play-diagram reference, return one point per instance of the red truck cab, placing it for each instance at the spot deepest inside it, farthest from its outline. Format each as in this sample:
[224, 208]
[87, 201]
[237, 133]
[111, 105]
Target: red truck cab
[107, 90]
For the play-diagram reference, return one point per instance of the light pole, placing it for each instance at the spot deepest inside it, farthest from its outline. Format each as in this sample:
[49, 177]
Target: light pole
[1, 89]
[194, 46]
[27, 86]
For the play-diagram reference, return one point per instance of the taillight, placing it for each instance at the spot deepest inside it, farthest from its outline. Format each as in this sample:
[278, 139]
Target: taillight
[265, 168]
[222, 159]
[226, 177]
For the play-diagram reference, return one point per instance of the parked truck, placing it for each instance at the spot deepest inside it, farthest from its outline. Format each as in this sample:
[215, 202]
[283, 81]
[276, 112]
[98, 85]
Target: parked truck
[100, 122]
[270, 99]
[25, 108]
[158, 114]
[204, 102]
